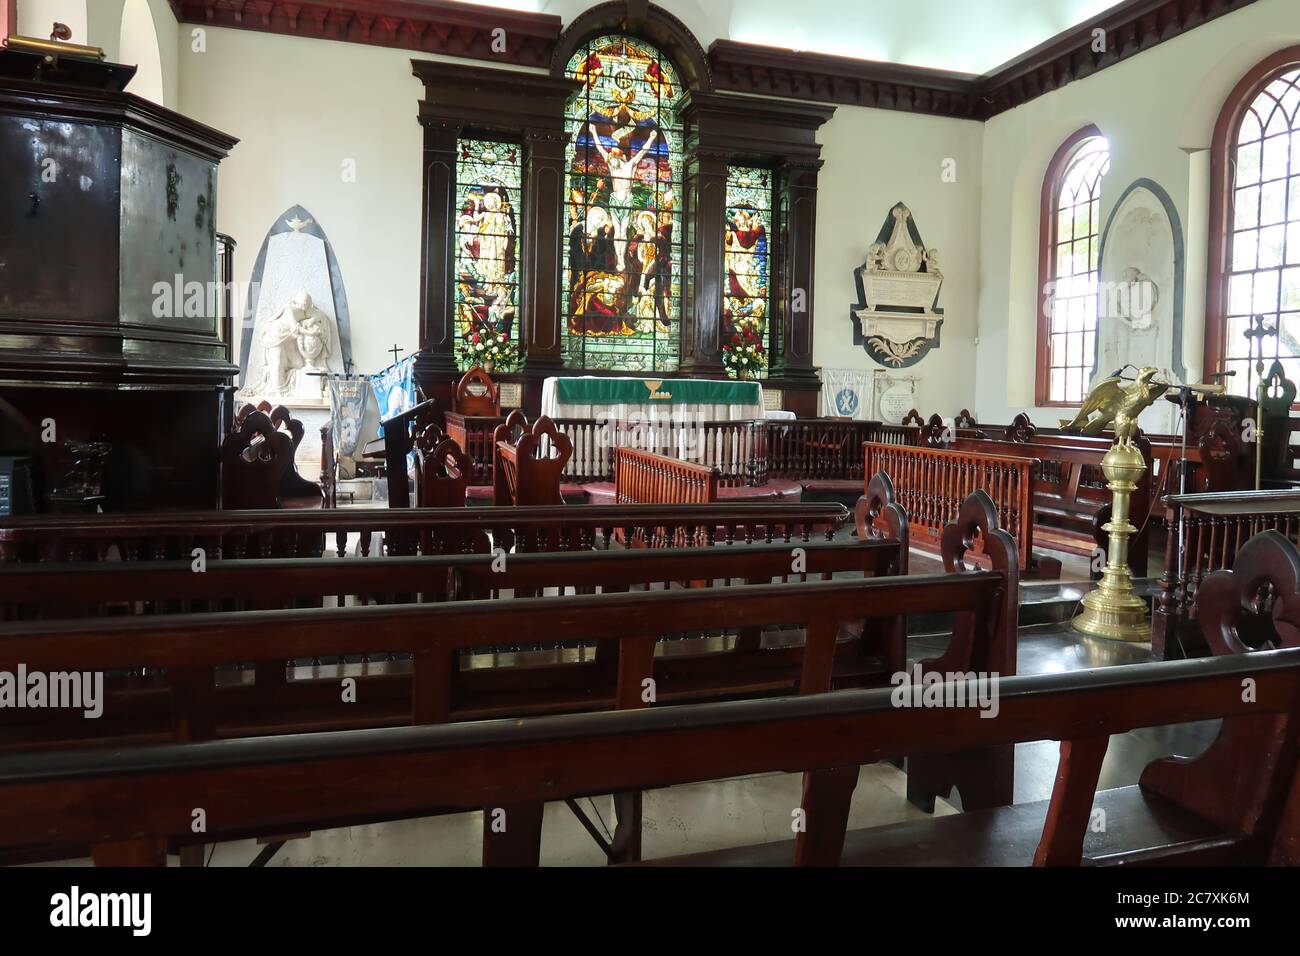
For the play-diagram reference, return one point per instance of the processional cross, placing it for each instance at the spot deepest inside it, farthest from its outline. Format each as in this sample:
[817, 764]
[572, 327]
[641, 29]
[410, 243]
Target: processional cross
[1255, 335]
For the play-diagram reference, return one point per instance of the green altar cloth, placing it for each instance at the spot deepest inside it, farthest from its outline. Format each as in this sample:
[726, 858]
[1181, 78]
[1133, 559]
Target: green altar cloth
[669, 391]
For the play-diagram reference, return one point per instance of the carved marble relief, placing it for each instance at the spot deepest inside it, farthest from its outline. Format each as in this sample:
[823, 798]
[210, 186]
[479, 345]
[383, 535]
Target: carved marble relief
[297, 318]
[897, 318]
[1140, 297]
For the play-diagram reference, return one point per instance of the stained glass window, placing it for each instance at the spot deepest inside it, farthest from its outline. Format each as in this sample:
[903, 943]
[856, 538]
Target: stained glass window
[487, 255]
[1073, 276]
[622, 257]
[747, 260]
[1263, 258]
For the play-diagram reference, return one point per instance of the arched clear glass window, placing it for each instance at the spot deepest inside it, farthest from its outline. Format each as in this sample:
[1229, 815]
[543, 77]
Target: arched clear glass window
[1262, 230]
[1071, 231]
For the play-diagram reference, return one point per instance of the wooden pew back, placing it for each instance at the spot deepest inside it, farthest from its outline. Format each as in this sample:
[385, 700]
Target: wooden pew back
[644, 478]
[442, 471]
[278, 534]
[59, 591]
[290, 784]
[932, 483]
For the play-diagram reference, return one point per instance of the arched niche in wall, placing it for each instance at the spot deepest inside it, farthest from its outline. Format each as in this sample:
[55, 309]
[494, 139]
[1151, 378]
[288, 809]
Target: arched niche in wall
[138, 45]
[1142, 242]
[296, 256]
[1140, 303]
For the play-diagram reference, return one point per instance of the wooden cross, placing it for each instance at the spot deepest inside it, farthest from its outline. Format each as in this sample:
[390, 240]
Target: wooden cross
[395, 350]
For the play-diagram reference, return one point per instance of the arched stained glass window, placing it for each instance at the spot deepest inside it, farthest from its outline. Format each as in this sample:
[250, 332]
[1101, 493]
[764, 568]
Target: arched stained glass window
[487, 253]
[622, 259]
[1262, 230]
[1068, 271]
[747, 261]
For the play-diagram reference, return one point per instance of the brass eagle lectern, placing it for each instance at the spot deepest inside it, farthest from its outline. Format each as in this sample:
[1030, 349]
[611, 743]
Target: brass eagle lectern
[1113, 610]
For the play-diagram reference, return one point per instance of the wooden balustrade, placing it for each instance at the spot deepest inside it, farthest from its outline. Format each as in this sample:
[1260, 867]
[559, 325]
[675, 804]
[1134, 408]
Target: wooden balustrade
[1212, 528]
[644, 478]
[745, 453]
[932, 483]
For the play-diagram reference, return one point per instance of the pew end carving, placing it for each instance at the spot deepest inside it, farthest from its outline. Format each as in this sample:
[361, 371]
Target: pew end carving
[1246, 781]
[533, 465]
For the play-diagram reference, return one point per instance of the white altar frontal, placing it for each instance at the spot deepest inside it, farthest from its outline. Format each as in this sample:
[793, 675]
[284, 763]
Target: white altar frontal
[610, 398]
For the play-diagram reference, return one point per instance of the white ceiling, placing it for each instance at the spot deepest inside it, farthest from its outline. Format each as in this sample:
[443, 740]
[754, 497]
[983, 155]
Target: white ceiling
[967, 36]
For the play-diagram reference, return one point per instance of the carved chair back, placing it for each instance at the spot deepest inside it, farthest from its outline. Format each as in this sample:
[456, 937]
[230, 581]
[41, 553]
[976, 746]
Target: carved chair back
[477, 394]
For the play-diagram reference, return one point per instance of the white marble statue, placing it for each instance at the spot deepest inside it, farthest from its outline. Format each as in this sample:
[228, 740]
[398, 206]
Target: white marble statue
[300, 337]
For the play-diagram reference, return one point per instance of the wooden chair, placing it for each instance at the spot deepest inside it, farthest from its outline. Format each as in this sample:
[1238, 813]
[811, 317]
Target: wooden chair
[477, 394]
[528, 469]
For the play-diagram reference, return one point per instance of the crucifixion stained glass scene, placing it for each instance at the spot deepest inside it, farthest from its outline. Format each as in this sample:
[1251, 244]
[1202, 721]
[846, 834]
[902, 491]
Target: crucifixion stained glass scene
[623, 303]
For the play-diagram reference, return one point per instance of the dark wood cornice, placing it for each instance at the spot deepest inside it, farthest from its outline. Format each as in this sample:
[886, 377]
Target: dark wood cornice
[486, 98]
[429, 26]
[1130, 28]
[749, 68]
[533, 39]
[752, 125]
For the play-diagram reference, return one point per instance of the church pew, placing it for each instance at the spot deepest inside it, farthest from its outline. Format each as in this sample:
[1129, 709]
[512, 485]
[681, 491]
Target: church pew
[53, 591]
[1068, 492]
[280, 533]
[1187, 811]
[181, 651]
[185, 702]
[932, 483]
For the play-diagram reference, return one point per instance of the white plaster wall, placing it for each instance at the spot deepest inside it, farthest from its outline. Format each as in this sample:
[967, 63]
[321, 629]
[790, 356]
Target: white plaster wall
[873, 159]
[37, 17]
[302, 110]
[303, 107]
[99, 23]
[1158, 111]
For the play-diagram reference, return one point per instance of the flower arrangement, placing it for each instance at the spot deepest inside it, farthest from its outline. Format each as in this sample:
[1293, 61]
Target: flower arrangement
[490, 350]
[742, 352]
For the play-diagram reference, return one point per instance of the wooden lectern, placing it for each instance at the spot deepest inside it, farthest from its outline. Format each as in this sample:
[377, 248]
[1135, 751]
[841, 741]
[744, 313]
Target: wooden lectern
[393, 447]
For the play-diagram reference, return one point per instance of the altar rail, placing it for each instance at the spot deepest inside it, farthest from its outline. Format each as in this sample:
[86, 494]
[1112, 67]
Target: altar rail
[745, 453]
[932, 483]
[287, 534]
[1214, 528]
[644, 478]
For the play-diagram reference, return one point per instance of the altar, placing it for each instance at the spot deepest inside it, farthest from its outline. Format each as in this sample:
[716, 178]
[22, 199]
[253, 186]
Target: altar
[651, 399]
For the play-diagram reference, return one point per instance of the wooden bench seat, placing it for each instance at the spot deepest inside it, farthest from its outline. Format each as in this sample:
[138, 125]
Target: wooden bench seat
[1141, 829]
[781, 639]
[291, 784]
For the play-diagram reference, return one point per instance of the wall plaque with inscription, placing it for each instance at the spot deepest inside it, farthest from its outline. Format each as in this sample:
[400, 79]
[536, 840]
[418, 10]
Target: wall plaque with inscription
[897, 318]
